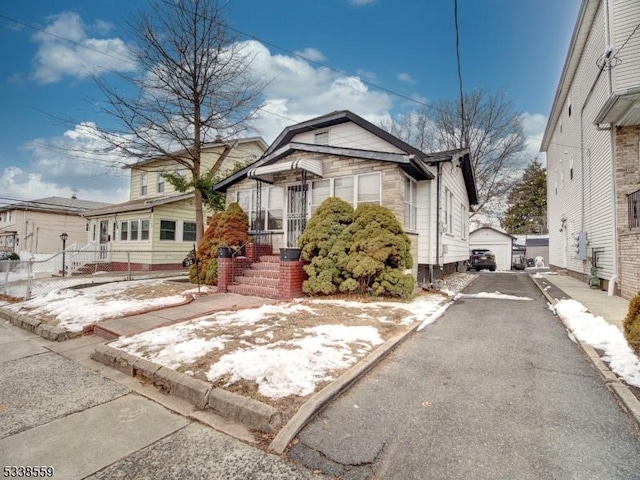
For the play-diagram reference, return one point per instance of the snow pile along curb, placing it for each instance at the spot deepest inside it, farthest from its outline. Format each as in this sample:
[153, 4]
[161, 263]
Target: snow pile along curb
[246, 411]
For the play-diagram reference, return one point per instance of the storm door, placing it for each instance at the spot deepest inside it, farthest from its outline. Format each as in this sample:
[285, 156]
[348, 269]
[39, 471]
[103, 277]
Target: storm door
[296, 213]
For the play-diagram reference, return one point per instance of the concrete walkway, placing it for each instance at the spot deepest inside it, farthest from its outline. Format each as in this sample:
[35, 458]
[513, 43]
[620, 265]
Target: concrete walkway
[155, 318]
[59, 408]
[610, 307]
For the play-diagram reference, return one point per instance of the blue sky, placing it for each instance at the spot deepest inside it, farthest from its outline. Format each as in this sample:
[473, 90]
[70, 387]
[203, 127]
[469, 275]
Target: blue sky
[406, 47]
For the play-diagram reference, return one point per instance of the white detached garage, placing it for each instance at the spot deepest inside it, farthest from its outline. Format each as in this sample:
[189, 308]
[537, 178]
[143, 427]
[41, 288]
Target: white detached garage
[500, 243]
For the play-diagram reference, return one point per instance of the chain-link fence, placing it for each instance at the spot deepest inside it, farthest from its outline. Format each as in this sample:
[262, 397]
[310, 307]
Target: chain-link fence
[20, 279]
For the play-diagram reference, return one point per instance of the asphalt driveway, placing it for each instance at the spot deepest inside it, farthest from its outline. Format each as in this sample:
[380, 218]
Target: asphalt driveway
[494, 389]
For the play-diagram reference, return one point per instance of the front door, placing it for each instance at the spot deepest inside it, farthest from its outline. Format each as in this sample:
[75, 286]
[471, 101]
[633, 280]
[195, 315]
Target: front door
[104, 239]
[296, 213]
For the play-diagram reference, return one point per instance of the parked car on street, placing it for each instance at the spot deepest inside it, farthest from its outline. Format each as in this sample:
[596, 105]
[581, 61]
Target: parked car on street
[481, 259]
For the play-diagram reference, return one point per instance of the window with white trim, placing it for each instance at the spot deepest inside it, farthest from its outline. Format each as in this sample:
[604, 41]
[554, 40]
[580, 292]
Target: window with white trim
[144, 229]
[464, 222]
[168, 230]
[448, 210]
[410, 203]
[369, 188]
[189, 231]
[143, 184]
[134, 224]
[124, 231]
[320, 191]
[271, 207]
[160, 183]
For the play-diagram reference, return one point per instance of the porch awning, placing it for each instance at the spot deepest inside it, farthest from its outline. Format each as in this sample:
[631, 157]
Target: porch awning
[621, 109]
[266, 172]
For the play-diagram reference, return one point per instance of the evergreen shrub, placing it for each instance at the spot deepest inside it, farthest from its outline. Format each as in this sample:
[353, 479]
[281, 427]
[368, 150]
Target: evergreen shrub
[379, 253]
[226, 229]
[364, 252]
[322, 245]
[631, 324]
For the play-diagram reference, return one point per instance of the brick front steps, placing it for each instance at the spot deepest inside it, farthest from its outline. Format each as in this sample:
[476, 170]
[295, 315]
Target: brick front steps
[269, 277]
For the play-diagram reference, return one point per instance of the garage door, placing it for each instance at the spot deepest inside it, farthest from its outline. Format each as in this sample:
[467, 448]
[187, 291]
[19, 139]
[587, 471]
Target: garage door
[502, 252]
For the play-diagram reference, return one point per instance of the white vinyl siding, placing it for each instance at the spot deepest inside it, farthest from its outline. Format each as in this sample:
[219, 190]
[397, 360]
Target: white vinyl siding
[350, 135]
[625, 18]
[580, 164]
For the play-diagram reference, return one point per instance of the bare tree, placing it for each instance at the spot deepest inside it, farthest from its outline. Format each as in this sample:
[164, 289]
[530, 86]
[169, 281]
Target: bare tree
[193, 84]
[491, 129]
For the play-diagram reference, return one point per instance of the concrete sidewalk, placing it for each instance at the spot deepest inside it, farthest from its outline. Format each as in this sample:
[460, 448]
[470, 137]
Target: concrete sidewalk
[610, 307]
[159, 317]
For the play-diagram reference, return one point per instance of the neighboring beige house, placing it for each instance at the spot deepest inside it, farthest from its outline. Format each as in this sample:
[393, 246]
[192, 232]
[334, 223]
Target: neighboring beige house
[341, 154]
[591, 140]
[157, 226]
[35, 226]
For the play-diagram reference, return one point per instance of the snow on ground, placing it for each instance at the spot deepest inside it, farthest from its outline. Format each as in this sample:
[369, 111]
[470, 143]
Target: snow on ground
[494, 295]
[282, 367]
[74, 309]
[600, 334]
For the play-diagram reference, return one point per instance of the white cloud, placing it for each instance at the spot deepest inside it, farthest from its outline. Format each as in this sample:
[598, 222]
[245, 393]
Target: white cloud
[298, 91]
[311, 54]
[295, 91]
[62, 165]
[359, 3]
[79, 57]
[405, 77]
[534, 125]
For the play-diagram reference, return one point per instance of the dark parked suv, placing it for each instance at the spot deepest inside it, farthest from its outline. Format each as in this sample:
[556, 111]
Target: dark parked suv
[482, 258]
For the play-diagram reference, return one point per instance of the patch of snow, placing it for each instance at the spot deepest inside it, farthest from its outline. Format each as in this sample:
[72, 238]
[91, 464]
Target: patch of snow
[600, 334]
[495, 295]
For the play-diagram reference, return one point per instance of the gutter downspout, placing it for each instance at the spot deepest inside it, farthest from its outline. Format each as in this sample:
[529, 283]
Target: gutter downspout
[438, 195]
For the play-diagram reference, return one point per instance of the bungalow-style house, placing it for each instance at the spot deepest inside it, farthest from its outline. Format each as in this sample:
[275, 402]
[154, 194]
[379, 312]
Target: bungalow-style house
[156, 228]
[341, 154]
[592, 144]
[35, 226]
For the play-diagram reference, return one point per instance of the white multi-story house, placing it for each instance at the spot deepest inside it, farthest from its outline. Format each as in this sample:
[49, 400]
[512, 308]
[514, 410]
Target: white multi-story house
[591, 141]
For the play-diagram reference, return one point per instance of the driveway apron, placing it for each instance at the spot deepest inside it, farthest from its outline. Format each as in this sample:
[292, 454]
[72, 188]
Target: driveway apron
[494, 389]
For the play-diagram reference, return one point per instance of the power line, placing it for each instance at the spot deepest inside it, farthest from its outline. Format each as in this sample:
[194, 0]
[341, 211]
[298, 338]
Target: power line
[462, 129]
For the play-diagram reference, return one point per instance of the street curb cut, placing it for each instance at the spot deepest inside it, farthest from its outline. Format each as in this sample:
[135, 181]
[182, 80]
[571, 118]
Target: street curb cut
[251, 413]
[625, 397]
[322, 398]
[48, 332]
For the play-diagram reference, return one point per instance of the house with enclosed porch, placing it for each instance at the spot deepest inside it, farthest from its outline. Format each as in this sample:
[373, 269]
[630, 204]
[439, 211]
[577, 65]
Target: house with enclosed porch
[156, 228]
[343, 155]
[591, 141]
[35, 226]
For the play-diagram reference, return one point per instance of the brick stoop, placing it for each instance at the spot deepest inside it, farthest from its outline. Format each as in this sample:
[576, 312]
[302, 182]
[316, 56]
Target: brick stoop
[259, 278]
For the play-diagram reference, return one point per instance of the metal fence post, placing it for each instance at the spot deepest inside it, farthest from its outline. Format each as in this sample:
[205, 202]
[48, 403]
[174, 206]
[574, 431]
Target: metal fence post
[29, 280]
[129, 265]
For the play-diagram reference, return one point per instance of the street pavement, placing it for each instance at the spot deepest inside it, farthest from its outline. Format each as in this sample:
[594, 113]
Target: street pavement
[495, 389]
[61, 410]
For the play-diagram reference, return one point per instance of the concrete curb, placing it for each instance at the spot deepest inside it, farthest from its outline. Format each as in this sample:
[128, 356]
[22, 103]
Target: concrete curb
[322, 398]
[48, 332]
[625, 397]
[246, 411]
